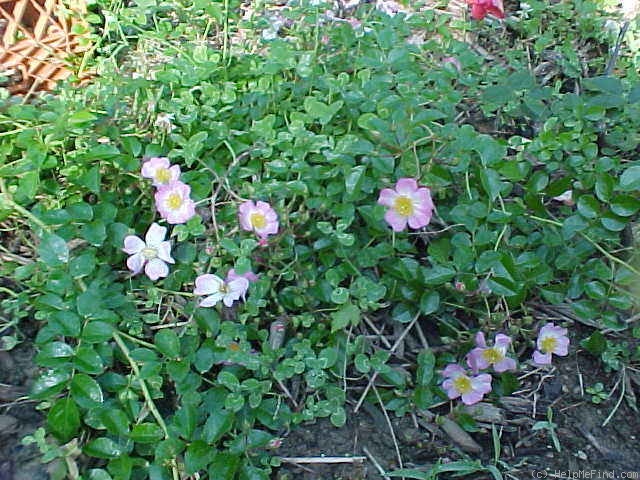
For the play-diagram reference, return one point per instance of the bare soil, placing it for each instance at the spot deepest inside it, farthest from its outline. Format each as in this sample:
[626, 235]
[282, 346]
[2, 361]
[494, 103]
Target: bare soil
[585, 443]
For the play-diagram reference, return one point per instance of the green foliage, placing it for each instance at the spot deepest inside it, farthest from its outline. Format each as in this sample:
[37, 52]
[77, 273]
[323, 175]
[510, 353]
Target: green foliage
[150, 384]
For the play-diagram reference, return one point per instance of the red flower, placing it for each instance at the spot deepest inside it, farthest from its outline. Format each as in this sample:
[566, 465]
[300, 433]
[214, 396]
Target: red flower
[480, 8]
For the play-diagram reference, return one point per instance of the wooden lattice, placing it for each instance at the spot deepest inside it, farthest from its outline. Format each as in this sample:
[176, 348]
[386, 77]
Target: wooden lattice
[37, 41]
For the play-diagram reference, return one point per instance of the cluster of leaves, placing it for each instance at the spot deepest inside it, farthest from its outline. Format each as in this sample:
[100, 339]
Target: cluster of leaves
[316, 123]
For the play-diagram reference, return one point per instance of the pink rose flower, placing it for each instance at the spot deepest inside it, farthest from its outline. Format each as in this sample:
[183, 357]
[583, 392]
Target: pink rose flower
[258, 217]
[174, 204]
[483, 356]
[459, 384]
[232, 275]
[160, 170]
[407, 204]
[551, 340]
[153, 253]
[214, 289]
[480, 8]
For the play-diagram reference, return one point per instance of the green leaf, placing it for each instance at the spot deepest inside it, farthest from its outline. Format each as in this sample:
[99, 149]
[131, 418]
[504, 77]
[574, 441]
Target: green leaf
[429, 302]
[491, 183]
[339, 417]
[103, 448]
[49, 383]
[219, 422]
[588, 206]
[426, 364]
[54, 354]
[115, 420]
[53, 250]
[197, 457]
[630, 179]
[353, 181]
[86, 391]
[168, 343]
[64, 419]
[146, 433]
[224, 466]
[97, 332]
[625, 205]
[348, 314]
[596, 344]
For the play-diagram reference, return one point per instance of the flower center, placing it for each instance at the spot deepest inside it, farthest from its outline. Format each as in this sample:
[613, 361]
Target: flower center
[174, 201]
[224, 288]
[403, 205]
[163, 175]
[149, 253]
[258, 220]
[548, 344]
[492, 355]
[462, 384]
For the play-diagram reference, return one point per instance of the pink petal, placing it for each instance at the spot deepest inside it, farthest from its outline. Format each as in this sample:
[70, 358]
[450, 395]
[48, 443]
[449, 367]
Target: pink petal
[133, 244]
[423, 198]
[419, 219]
[453, 370]
[448, 387]
[164, 252]
[481, 383]
[397, 222]
[155, 235]
[562, 348]
[406, 186]
[207, 284]
[478, 12]
[154, 163]
[476, 361]
[480, 340]
[156, 269]
[211, 300]
[505, 365]
[472, 397]
[135, 263]
[502, 340]
[387, 197]
[541, 358]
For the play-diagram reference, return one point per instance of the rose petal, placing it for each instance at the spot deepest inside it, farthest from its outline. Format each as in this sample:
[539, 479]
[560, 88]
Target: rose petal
[406, 186]
[133, 244]
[541, 358]
[207, 284]
[156, 269]
[211, 300]
[387, 197]
[397, 222]
[155, 235]
[135, 263]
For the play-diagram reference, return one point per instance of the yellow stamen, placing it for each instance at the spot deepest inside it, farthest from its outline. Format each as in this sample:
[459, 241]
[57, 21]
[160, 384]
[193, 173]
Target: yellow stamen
[149, 253]
[163, 175]
[258, 220]
[462, 384]
[403, 206]
[548, 344]
[174, 201]
[492, 355]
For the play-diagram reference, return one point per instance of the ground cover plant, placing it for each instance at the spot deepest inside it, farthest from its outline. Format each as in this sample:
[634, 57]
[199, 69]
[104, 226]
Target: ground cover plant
[257, 217]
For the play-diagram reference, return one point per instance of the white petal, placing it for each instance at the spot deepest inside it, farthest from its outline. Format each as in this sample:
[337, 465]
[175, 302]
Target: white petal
[208, 284]
[135, 263]
[211, 300]
[164, 252]
[156, 269]
[155, 235]
[133, 244]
